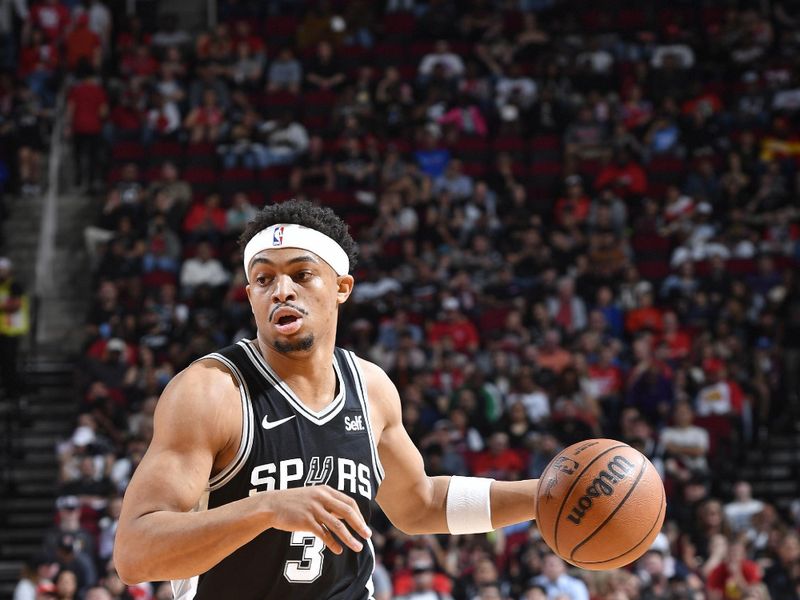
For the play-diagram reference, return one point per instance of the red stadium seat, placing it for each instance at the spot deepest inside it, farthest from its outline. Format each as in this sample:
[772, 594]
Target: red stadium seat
[166, 149]
[128, 151]
[200, 176]
[515, 146]
[201, 149]
[280, 29]
[399, 24]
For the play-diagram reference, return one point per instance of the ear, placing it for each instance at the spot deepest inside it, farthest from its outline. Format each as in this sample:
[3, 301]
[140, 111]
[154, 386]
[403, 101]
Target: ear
[247, 289]
[345, 284]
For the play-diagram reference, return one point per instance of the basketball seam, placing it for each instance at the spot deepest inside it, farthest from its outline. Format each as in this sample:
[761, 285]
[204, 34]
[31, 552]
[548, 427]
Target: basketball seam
[646, 535]
[572, 487]
[613, 512]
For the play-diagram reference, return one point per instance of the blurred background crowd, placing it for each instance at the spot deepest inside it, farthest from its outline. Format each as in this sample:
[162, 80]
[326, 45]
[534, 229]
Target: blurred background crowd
[575, 220]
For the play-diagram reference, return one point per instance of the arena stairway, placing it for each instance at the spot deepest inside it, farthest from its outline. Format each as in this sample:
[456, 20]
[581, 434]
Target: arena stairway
[28, 463]
[773, 469]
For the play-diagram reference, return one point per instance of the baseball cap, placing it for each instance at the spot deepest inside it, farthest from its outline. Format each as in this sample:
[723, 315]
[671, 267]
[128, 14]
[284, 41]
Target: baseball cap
[450, 303]
[660, 544]
[83, 436]
[46, 587]
[67, 542]
[573, 180]
[67, 502]
[115, 344]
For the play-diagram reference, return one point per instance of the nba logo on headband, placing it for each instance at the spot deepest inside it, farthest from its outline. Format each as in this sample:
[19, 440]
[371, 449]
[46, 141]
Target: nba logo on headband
[277, 236]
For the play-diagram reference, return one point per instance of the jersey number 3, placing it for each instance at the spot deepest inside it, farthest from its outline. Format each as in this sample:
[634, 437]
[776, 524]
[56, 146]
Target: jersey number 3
[309, 567]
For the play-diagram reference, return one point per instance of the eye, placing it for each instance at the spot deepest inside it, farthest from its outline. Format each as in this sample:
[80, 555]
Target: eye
[303, 275]
[261, 279]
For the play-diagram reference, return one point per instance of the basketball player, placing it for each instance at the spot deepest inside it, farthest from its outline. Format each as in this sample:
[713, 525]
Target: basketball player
[266, 454]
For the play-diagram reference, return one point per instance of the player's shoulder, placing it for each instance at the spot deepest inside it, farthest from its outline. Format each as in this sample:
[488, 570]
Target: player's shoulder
[376, 378]
[205, 391]
[384, 399]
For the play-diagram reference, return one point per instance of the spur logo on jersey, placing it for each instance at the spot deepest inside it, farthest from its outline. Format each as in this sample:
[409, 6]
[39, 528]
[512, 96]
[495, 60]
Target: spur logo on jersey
[277, 236]
[354, 423]
[344, 474]
[617, 469]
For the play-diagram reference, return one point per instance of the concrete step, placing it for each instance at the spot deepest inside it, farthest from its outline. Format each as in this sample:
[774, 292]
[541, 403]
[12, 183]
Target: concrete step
[26, 442]
[53, 410]
[775, 488]
[38, 504]
[36, 476]
[38, 489]
[43, 426]
[10, 568]
[19, 550]
[771, 473]
[41, 520]
[34, 461]
[26, 536]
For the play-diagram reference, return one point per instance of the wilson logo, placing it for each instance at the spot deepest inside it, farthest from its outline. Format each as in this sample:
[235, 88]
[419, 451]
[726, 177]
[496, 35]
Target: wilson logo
[603, 485]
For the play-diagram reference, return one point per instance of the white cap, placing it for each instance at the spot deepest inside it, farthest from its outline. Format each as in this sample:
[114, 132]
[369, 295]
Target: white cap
[83, 436]
[450, 303]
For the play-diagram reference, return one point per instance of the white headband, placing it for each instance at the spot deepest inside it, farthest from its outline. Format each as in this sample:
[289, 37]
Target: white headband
[290, 235]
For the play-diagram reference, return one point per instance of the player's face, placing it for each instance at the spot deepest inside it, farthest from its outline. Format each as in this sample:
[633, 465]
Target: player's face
[295, 296]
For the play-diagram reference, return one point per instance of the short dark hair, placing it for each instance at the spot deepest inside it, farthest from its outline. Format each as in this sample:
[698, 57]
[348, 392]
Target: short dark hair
[307, 214]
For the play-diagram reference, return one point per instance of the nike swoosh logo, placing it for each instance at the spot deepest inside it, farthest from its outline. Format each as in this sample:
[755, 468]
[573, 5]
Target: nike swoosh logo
[267, 424]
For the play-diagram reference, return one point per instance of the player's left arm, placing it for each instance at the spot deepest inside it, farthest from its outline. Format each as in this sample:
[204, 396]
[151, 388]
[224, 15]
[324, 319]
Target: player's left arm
[417, 503]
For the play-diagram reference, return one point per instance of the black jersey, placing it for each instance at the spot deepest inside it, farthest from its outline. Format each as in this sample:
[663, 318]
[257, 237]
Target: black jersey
[287, 445]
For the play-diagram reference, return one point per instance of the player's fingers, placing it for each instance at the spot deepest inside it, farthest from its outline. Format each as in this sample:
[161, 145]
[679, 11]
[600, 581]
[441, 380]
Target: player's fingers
[340, 530]
[327, 539]
[352, 515]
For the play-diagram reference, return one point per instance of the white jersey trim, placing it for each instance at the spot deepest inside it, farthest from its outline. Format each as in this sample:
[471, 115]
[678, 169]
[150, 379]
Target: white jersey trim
[370, 585]
[363, 398]
[246, 443]
[316, 417]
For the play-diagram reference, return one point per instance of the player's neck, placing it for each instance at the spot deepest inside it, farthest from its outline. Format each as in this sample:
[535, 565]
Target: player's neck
[310, 374]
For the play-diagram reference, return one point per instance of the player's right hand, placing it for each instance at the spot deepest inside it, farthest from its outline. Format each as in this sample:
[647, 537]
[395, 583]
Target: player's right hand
[320, 510]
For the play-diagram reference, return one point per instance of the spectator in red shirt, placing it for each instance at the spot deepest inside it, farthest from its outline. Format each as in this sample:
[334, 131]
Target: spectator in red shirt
[140, 63]
[645, 316]
[575, 201]
[50, 16]
[678, 341]
[730, 579]
[205, 121]
[720, 395]
[604, 376]
[623, 176]
[87, 107]
[205, 220]
[499, 460]
[83, 43]
[38, 62]
[456, 326]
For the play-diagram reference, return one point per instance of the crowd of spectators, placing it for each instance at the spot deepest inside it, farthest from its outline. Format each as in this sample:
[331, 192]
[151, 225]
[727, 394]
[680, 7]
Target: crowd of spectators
[575, 220]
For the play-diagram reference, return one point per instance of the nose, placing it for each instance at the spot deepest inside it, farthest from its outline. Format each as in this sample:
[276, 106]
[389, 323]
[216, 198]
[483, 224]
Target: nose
[284, 290]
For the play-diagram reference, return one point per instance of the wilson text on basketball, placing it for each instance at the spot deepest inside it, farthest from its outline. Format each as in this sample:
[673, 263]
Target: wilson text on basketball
[617, 469]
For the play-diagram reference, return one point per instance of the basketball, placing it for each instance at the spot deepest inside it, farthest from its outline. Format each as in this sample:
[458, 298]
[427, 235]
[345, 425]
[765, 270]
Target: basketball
[600, 504]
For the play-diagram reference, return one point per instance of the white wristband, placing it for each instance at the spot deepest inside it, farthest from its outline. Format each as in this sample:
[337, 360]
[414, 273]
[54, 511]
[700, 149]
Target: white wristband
[469, 508]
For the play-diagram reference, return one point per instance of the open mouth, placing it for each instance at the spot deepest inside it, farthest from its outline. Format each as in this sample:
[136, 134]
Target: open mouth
[287, 320]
